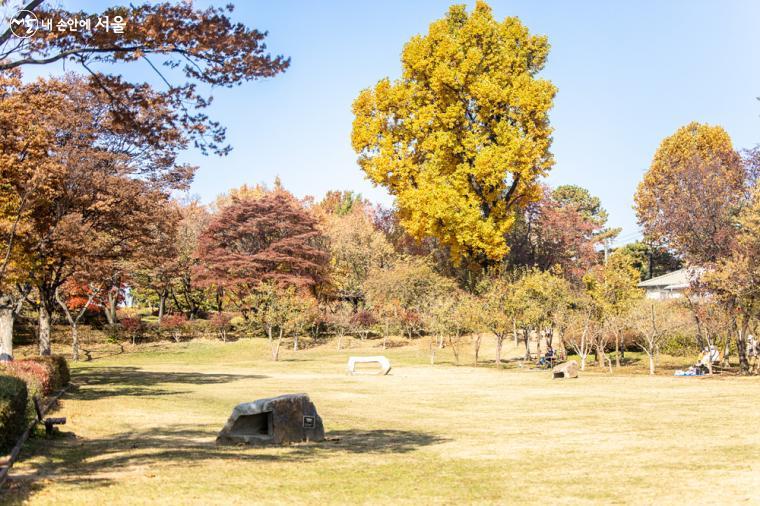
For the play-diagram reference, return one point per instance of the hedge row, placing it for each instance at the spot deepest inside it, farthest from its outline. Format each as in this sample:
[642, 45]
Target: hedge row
[173, 327]
[13, 404]
[43, 375]
[59, 368]
[20, 381]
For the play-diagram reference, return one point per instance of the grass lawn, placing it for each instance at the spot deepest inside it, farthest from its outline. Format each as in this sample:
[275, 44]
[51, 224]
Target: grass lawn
[141, 429]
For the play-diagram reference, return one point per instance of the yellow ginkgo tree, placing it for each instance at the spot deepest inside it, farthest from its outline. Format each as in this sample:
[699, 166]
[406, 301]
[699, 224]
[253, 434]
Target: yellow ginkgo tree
[462, 137]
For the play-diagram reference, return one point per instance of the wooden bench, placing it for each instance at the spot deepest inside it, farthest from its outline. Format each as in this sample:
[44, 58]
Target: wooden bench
[49, 423]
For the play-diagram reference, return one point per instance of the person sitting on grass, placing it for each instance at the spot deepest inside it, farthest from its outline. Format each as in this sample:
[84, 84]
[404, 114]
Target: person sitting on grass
[546, 360]
[710, 355]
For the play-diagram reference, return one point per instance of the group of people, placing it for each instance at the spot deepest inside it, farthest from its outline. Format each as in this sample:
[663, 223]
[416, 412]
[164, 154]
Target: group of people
[710, 355]
[548, 359]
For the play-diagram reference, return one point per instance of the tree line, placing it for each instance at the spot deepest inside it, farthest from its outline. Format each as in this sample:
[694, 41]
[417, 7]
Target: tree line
[475, 242]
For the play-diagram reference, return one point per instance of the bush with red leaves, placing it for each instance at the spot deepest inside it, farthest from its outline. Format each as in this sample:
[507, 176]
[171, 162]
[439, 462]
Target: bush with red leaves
[38, 376]
[175, 324]
[221, 323]
[363, 321]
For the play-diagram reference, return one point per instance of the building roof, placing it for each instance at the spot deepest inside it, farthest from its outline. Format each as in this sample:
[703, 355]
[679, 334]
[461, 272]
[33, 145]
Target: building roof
[673, 280]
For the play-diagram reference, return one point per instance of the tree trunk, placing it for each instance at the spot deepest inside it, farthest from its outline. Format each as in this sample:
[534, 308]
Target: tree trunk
[432, 352]
[340, 341]
[477, 349]
[161, 305]
[526, 335]
[726, 352]
[276, 348]
[499, 341]
[44, 329]
[561, 345]
[75, 342]
[514, 332]
[110, 309]
[295, 342]
[7, 317]
[110, 315]
[455, 348]
[701, 340]
[219, 300]
[622, 348]
[651, 362]
[74, 322]
[741, 345]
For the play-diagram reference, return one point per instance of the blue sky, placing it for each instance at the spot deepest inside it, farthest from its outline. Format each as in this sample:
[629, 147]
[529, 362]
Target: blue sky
[628, 73]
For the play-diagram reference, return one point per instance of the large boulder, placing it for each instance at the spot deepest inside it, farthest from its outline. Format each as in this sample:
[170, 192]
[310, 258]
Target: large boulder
[566, 370]
[274, 421]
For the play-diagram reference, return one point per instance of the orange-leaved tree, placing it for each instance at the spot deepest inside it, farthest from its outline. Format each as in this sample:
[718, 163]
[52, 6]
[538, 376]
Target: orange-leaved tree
[184, 45]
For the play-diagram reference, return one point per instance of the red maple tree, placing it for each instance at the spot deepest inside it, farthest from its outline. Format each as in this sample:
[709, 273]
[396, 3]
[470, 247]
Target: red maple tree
[269, 239]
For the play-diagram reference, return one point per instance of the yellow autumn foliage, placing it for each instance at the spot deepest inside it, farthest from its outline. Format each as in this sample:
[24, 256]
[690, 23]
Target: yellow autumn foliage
[462, 137]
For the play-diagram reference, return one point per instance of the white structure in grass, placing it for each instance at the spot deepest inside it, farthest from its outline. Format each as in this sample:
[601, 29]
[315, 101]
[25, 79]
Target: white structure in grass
[385, 364]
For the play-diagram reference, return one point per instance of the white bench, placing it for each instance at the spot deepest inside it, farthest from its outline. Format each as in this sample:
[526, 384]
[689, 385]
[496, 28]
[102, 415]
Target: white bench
[385, 364]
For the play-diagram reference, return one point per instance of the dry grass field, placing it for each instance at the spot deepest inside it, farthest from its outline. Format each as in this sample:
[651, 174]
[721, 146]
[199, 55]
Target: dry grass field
[141, 429]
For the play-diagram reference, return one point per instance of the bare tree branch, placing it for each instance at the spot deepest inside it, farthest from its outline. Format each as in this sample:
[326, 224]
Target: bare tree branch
[29, 7]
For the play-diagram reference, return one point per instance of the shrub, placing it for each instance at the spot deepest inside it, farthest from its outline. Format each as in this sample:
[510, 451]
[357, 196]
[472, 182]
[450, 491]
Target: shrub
[363, 321]
[412, 322]
[13, 403]
[152, 331]
[61, 372]
[680, 345]
[133, 327]
[239, 324]
[175, 324]
[196, 328]
[221, 324]
[39, 376]
[128, 312]
[113, 333]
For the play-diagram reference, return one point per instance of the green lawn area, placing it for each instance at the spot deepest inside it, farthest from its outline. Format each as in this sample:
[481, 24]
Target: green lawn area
[141, 429]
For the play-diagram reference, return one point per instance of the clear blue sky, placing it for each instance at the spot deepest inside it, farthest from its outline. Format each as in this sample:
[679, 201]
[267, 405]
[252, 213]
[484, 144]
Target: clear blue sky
[628, 73]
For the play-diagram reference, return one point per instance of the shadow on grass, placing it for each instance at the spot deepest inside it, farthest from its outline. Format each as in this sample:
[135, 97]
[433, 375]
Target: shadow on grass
[98, 382]
[95, 463]
[375, 441]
